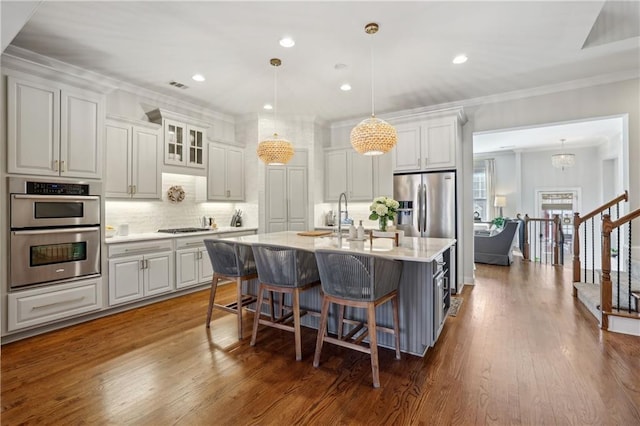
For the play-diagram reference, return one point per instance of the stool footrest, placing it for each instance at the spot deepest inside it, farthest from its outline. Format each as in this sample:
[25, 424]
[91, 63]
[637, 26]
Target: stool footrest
[233, 306]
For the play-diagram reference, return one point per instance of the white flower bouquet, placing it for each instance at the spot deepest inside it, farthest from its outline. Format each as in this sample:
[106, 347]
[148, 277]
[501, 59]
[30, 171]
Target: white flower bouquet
[383, 209]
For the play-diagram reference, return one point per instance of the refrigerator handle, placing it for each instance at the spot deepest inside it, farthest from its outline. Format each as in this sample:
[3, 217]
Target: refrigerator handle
[424, 206]
[420, 208]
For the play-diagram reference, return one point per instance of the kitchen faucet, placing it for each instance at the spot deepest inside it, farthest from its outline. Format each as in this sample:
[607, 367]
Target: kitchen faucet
[346, 211]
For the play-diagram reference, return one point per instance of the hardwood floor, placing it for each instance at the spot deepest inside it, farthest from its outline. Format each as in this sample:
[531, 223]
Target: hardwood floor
[522, 350]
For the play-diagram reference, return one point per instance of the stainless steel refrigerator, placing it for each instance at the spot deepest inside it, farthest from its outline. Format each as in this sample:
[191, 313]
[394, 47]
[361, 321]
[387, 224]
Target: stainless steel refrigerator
[427, 204]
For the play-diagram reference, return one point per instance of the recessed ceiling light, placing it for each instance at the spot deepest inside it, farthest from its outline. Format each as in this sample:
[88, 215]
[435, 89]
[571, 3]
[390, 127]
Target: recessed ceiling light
[460, 59]
[287, 42]
[198, 77]
[345, 87]
[268, 106]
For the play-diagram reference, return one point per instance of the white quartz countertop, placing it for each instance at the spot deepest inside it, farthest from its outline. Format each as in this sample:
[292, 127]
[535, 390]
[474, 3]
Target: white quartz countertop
[162, 235]
[413, 249]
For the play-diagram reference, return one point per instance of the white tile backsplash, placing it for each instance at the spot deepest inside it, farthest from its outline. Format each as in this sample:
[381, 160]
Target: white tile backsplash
[149, 216]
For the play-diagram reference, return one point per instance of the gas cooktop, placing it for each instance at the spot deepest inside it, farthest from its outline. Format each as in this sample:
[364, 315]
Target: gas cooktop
[182, 230]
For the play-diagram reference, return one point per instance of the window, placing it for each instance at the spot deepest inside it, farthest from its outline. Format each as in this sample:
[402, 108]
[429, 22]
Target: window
[482, 189]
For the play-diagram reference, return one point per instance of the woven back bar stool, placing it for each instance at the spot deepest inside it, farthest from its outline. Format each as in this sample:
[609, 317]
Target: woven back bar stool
[231, 262]
[360, 281]
[286, 271]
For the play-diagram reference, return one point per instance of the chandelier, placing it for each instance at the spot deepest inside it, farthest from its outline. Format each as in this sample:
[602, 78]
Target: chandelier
[560, 161]
[275, 151]
[373, 136]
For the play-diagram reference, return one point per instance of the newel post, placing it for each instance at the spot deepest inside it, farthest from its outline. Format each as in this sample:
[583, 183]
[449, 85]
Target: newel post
[556, 240]
[605, 285]
[576, 250]
[526, 237]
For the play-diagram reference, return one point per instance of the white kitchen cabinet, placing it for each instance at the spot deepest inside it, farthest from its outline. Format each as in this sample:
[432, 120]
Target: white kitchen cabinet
[287, 195]
[193, 265]
[184, 138]
[43, 305]
[53, 129]
[138, 270]
[133, 157]
[349, 172]
[429, 144]
[225, 175]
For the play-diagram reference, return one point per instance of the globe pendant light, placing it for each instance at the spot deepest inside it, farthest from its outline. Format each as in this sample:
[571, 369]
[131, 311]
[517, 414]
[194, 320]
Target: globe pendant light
[373, 136]
[275, 151]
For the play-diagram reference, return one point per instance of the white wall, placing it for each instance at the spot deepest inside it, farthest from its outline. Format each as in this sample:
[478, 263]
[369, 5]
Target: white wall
[578, 104]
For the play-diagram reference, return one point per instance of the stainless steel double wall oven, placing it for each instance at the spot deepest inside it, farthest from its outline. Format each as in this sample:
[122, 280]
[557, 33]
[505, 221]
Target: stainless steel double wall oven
[55, 231]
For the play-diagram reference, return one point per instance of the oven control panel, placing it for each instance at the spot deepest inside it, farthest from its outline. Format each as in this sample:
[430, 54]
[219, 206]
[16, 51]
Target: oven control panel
[48, 188]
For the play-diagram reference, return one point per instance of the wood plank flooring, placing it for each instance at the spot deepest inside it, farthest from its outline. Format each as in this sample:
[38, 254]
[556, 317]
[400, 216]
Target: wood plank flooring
[522, 350]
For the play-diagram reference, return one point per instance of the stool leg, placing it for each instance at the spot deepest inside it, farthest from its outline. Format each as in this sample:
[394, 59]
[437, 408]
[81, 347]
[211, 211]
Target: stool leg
[373, 343]
[212, 295]
[296, 323]
[321, 331]
[273, 309]
[239, 295]
[256, 319]
[396, 324]
[341, 309]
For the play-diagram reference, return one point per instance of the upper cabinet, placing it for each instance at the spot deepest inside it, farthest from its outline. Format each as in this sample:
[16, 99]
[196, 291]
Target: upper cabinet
[184, 139]
[133, 156]
[349, 172]
[225, 175]
[53, 129]
[428, 144]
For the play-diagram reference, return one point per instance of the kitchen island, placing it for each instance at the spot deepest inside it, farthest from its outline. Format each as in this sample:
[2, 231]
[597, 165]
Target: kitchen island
[423, 292]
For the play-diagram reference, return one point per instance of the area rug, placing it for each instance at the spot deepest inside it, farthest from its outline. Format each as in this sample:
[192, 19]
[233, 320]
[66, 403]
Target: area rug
[455, 306]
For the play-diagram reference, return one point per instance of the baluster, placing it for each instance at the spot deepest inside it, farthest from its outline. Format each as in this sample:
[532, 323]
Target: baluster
[618, 256]
[593, 250]
[585, 252]
[629, 267]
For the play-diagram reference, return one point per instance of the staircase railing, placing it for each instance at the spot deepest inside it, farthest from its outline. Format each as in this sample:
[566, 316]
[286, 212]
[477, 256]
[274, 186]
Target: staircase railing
[546, 244]
[590, 218]
[606, 303]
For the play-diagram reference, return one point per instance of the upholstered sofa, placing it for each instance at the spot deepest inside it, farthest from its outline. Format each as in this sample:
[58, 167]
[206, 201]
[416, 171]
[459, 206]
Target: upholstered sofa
[496, 249]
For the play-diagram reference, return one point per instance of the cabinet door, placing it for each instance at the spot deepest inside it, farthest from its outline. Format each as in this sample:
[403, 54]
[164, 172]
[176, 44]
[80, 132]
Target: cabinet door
[187, 264]
[82, 120]
[297, 198]
[383, 175]
[174, 143]
[360, 168]
[158, 273]
[206, 270]
[335, 172]
[117, 160]
[235, 174]
[125, 279]
[406, 154]
[196, 141]
[439, 145]
[33, 127]
[145, 168]
[276, 198]
[216, 173]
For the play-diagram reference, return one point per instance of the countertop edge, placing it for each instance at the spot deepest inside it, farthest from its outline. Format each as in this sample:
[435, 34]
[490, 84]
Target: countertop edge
[150, 236]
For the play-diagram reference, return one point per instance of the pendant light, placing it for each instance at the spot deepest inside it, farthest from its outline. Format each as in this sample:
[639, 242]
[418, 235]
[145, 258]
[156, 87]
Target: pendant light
[373, 136]
[560, 161]
[275, 151]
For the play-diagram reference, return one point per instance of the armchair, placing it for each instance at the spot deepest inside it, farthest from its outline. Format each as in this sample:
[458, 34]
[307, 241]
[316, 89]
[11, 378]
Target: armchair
[496, 249]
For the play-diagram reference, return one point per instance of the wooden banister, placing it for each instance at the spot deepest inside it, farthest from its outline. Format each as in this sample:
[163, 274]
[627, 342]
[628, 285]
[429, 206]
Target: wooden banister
[577, 221]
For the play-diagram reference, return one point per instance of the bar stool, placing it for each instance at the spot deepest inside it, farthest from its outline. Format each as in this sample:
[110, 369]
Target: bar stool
[286, 271]
[360, 281]
[232, 262]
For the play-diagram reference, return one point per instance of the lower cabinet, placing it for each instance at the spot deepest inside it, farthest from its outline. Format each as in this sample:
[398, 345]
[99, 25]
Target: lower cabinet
[27, 308]
[138, 270]
[192, 262]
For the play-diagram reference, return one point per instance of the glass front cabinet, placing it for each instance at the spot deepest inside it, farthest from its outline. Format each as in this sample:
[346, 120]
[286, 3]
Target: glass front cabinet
[184, 144]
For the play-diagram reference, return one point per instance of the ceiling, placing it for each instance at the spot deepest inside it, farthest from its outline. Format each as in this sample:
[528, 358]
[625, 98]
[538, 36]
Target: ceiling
[511, 46]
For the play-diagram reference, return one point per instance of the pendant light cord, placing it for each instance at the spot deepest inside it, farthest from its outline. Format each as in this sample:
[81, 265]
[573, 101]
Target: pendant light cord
[275, 98]
[373, 108]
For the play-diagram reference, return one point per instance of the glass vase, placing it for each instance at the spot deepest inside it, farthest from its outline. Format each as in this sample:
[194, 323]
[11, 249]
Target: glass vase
[382, 224]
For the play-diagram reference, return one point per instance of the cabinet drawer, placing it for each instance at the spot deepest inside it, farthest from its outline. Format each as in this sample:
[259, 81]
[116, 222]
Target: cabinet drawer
[234, 234]
[192, 242]
[130, 249]
[39, 306]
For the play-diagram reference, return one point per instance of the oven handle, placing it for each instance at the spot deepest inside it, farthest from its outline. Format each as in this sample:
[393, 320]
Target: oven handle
[56, 197]
[57, 231]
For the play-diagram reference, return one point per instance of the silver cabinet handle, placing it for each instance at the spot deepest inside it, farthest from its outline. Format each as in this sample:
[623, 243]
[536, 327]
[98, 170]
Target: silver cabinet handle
[62, 168]
[62, 302]
[197, 243]
[137, 250]
[56, 197]
[135, 189]
[57, 231]
[228, 193]
[55, 166]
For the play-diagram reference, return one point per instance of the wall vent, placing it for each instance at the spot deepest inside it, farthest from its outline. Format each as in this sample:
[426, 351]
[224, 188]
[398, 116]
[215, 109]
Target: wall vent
[178, 85]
